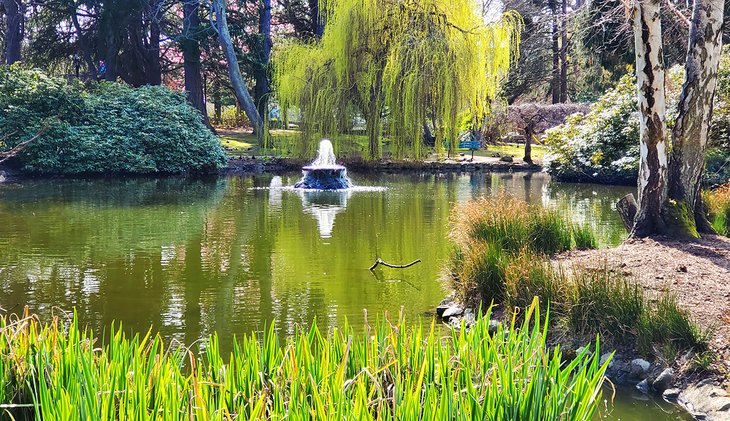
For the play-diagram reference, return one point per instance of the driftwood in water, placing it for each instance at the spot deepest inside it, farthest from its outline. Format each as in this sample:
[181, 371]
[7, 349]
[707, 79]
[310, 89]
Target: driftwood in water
[627, 209]
[380, 261]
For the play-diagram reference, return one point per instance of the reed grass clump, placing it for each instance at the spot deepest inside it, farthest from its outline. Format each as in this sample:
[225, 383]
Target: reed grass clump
[584, 237]
[388, 372]
[672, 325]
[495, 237]
[528, 277]
[512, 225]
[605, 302]
[502, 256]
[718, 208]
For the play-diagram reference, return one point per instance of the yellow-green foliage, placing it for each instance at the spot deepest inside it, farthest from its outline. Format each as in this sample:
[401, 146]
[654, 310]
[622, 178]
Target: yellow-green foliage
[718, 208]
[388, 372]
[409, 57]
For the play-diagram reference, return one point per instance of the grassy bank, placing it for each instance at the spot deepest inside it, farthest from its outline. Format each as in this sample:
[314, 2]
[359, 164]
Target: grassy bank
[60, 371]
[283, 143]
[502, 255]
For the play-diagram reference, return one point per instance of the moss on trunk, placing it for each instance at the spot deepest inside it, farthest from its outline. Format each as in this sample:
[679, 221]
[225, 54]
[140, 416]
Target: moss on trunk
[679, 219]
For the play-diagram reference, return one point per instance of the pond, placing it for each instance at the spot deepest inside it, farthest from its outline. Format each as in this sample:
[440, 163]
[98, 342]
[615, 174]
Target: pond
[189, 257]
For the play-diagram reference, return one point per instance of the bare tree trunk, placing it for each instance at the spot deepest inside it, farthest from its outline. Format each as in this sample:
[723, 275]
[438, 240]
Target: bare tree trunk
[83, 43]
[564, 53]
[652, 137]
[112, 53]
[191, 57]
[262, 88]
[555, 82]
[317, 18]
[220, 24]
[14, 19]
[155, 16]
[217, 104]
[529, 134]
[374, 124]
[689, 137]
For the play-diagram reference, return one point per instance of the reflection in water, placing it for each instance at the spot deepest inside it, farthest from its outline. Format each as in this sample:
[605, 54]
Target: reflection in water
[232, 254]
[324, 205]
[188, 258]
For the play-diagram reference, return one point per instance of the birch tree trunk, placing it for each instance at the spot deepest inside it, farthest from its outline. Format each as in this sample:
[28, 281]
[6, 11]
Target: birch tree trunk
[652, 117]
[220, 24]
[689, 137]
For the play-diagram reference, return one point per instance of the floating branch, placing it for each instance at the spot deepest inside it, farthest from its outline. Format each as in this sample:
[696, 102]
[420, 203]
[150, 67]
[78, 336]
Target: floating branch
[380, 261]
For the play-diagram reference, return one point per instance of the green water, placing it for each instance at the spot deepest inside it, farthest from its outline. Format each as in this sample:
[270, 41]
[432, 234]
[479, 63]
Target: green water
[189, 257]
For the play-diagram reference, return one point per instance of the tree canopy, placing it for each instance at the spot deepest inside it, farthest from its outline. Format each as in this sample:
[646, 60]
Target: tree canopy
[409, 63]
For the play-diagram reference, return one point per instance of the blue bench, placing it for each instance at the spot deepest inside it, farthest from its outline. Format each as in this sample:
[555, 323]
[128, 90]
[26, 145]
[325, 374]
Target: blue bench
[472, 145]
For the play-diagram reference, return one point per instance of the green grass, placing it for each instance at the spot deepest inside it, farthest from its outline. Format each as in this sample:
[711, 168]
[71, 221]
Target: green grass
[584, 238]
[671, 324]
[388, 372]
[718, 206]
[513, 225]
[514, 150]
[284, 143]
[602, 301]
[502, 249]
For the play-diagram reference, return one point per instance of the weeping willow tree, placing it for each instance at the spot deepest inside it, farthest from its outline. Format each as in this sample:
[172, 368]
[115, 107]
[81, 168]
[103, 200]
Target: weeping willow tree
[410, 63]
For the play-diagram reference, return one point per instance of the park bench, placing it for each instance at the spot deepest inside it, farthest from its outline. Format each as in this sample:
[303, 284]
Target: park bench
[472, 145]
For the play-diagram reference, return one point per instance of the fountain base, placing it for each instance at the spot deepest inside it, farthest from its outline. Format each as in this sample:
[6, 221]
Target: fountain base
[333, 177]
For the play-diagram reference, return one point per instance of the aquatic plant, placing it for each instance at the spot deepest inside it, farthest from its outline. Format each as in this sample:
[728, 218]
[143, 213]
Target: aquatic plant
[584, 238]
[502, 249]
[387, 372]
[512, 225]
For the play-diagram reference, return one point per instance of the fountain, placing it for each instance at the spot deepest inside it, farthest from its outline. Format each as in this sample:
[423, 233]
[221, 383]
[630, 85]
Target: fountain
[324, 173]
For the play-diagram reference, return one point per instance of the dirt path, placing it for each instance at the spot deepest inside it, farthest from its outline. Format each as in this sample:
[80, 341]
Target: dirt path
[698, 272]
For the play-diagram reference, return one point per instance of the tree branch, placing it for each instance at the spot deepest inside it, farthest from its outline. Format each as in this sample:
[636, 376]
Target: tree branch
[380, 261]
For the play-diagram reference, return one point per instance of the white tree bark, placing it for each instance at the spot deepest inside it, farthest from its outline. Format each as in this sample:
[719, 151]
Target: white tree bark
[652, 138]
[220, 24]
[689, 141]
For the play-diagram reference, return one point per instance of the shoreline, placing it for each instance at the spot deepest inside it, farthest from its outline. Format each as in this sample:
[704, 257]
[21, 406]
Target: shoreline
[252, 165]
[245, 165]
[698, 273]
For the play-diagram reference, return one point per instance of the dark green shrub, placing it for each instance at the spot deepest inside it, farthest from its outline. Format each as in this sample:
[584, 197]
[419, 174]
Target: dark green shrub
[108, 128]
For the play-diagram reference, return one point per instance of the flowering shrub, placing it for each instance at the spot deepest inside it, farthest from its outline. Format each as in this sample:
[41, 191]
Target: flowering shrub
[603, 145]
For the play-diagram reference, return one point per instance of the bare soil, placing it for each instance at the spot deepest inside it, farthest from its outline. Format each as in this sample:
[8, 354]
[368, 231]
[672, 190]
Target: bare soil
[697, 272]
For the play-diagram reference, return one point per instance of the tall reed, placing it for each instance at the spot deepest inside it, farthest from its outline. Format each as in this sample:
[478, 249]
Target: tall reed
[502, 256]
[388, 372]
[718, 208]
